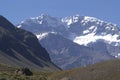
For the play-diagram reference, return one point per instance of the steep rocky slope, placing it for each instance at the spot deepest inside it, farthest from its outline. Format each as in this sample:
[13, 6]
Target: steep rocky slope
[21, 48]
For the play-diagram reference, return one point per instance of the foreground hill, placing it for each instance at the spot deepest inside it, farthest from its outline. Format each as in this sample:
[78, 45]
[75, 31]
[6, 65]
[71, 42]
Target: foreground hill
[8, 73]
[21, 48]
[108, 70]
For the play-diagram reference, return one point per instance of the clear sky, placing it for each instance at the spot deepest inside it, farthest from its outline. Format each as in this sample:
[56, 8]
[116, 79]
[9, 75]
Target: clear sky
[18, 10]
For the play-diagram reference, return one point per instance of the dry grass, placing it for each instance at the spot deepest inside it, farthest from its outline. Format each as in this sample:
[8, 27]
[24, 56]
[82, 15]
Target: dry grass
[108, 70]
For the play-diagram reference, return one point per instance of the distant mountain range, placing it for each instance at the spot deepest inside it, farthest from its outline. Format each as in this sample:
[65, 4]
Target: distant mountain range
[76, 40]
[20, 48]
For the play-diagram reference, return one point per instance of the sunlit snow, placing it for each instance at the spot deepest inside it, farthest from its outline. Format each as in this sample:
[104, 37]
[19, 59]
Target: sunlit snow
[86, 31]
[92, 27]
[118, 55]
[84, 40]
[70, 20]
[43, 35]
[19, 26]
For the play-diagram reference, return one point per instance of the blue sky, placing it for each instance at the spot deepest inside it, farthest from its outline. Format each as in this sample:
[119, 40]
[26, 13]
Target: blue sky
[18, 10]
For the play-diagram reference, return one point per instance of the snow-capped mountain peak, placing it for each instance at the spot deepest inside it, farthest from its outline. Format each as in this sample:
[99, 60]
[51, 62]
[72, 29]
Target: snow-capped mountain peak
[46, 19]
[91, 19]
[83, 30]
[43, 19]
[70, 20]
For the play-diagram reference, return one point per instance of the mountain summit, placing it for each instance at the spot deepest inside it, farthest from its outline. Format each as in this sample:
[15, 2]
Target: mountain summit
[20, 48]
[95, 34]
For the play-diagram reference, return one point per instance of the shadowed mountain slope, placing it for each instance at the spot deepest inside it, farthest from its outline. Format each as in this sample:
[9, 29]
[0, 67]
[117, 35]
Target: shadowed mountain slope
[21, 48]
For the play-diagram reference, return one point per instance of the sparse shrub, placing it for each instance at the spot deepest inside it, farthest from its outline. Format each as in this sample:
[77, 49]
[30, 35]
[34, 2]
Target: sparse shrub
[24, 71]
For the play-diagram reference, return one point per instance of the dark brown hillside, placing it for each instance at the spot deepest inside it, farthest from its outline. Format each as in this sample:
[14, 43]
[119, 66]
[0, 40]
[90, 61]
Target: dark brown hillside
[21, 48]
